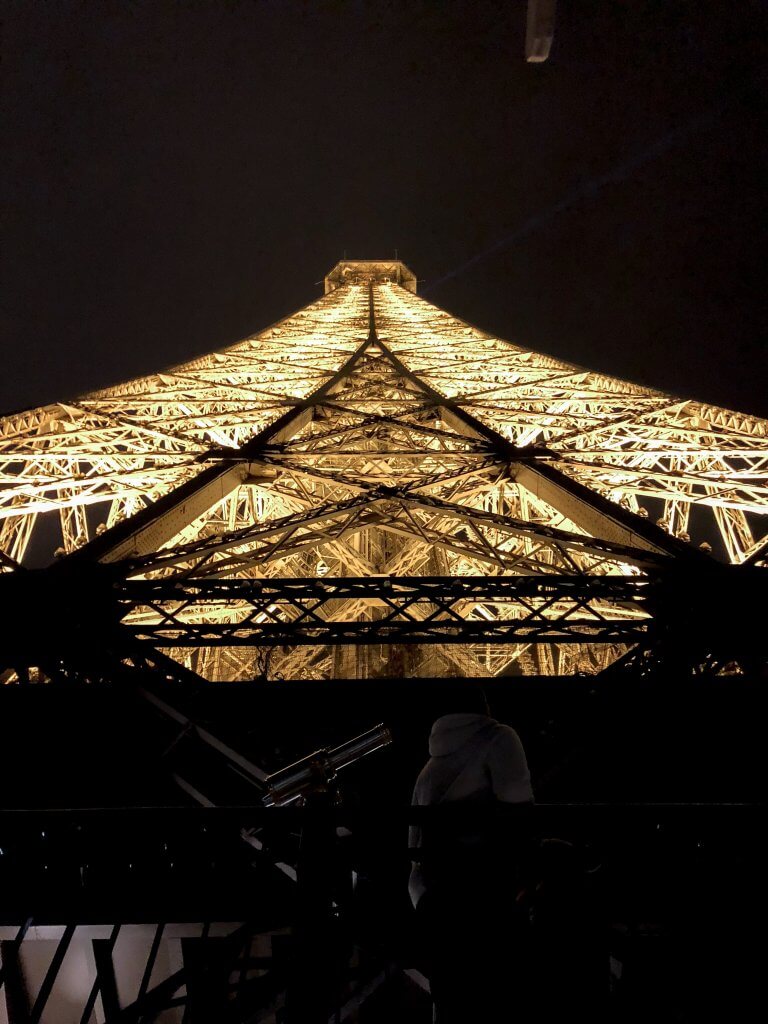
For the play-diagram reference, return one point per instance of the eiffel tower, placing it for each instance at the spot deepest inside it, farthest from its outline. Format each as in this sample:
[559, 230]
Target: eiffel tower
[373, 487]
[370, 489]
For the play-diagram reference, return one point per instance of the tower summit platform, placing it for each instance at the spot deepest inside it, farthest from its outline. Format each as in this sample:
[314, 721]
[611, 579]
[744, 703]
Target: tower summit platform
[370, 272]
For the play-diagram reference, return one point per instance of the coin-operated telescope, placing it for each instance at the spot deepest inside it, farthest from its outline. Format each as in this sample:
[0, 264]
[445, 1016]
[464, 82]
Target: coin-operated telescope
[317, 772]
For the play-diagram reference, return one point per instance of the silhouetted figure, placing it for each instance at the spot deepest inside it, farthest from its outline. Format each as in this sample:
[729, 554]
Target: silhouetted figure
[468, 870]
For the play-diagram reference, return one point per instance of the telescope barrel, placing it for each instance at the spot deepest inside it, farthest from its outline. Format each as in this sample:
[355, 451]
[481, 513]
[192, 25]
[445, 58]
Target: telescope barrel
[320, 768]
[366, 743]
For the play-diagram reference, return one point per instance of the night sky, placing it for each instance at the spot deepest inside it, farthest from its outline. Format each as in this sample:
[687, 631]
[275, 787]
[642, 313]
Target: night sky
[179, 175]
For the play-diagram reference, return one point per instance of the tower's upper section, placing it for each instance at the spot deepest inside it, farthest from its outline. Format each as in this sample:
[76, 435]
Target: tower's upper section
[99, 459]
[378, 271]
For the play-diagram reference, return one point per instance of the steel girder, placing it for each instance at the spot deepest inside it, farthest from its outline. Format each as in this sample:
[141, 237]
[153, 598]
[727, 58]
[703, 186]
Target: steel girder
[410, 610]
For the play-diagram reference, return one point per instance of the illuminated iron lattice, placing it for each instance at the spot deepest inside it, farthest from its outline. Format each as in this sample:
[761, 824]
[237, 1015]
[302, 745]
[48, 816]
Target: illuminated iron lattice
[374, 487]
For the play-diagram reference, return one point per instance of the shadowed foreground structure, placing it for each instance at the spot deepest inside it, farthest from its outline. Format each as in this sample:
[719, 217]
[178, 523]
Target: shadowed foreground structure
[238, 560]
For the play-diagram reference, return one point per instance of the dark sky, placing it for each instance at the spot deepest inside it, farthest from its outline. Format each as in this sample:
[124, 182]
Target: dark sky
[179, 175]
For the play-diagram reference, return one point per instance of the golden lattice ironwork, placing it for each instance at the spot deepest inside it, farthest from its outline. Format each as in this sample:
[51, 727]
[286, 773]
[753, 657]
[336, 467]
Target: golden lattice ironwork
[373, 437]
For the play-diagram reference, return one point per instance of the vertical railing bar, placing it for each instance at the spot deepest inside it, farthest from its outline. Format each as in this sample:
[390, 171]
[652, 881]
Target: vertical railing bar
[154, 949]
[97, 984]
[16, 944]
[51, 975]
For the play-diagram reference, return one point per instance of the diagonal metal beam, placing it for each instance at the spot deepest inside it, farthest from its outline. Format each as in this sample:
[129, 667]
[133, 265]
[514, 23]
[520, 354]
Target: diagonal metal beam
[599, 516]
[155, 525]
[43, 995]
[277, 532]
[584, 507]
[104, 983]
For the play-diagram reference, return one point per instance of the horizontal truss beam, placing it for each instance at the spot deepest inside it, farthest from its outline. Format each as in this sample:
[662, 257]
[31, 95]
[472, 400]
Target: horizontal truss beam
[608, 609]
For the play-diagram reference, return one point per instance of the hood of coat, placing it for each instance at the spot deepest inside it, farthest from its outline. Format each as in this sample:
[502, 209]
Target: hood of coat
[451, 732]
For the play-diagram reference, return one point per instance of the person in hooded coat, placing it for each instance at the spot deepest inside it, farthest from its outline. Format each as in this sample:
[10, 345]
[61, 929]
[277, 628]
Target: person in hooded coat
[469, 864]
